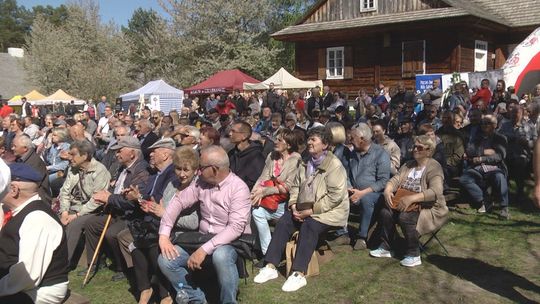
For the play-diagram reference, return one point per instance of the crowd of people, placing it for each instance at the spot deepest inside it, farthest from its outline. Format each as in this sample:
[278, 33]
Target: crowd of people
[231, 165]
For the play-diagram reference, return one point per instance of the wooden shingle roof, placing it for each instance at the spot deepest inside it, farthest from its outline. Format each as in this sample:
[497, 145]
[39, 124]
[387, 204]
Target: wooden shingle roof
[510, 13]
[438, 13]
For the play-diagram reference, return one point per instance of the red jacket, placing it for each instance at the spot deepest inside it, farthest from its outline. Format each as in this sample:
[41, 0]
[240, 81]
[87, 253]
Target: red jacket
[225, 109]
[5, 111]
[484, 94]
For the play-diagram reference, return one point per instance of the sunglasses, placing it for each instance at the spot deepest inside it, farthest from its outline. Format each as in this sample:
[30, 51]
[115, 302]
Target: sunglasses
[487, 123]
[420, 148]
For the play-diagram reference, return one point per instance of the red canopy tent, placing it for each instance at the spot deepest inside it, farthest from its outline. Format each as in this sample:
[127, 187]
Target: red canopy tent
[224, 81]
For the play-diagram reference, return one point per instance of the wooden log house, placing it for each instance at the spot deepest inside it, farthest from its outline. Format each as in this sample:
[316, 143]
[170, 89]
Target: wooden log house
[353, 44]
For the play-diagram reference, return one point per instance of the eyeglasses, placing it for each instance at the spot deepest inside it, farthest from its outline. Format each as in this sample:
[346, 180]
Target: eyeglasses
[487, 123]
[202, 168]
[183, 135]
[420, 148]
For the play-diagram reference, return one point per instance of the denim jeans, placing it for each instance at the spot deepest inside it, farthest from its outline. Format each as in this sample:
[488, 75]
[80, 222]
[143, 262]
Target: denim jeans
[261, 216]
[224, 261]
[367, 205]
[472, 179]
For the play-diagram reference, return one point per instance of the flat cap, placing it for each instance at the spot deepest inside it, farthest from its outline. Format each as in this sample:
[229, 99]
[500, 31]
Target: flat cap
[127, 142]
[167, 143]
[24, 173]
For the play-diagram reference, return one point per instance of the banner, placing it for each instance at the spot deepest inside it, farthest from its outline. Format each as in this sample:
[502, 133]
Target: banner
[522, 69]
[425, 81]
[154, 102]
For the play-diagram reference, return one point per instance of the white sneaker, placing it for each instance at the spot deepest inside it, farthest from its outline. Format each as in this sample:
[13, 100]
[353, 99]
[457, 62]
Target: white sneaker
[294, 282]
[380, 253]
[482, 209]
[410, 261]
[265, 274]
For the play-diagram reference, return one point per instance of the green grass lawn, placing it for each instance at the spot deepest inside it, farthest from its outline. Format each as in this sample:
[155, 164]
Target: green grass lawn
[490, 261]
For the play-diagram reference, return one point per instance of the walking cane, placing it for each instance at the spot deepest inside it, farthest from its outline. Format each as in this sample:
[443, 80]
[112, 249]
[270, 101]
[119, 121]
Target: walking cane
[97, 249]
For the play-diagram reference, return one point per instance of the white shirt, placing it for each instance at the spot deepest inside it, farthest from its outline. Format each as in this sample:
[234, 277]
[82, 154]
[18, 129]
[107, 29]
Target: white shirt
[40, 235]
[103, 125]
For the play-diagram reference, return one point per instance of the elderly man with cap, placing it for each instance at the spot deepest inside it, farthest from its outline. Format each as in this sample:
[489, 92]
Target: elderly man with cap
[143, 227]
[33, 255]
[85, 177]
[24, 152]
[133, 171]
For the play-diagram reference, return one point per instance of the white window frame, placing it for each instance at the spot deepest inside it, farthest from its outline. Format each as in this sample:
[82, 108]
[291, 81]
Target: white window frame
[481, 48]
[423, 54]
[363, 7]
[337, 69]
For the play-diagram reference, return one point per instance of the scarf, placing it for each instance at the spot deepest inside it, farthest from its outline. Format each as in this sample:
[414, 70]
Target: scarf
[313, 163]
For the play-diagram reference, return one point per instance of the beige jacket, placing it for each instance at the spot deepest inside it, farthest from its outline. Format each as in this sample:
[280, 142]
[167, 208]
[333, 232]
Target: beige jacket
[287, 175]
[431, 218]
[96, 178]
[331, 196]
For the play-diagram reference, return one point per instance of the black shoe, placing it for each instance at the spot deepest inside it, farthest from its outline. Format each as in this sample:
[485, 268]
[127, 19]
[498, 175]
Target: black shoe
[118, 276]
[83, 272]
[259, 264]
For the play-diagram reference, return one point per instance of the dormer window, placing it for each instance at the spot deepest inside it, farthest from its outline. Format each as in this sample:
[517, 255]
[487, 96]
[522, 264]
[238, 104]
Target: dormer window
[368, 5]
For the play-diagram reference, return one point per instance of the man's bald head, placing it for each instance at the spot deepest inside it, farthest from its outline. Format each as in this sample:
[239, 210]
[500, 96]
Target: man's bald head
[216, 156]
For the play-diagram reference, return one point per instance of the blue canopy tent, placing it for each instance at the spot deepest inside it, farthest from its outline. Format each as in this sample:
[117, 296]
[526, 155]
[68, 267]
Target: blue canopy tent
[170, 98]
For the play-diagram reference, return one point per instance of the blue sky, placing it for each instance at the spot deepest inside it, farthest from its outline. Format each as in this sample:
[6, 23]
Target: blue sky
[119, 11]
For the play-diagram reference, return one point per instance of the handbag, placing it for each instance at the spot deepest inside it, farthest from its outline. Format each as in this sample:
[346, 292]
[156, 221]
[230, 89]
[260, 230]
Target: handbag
[271, 202]
[401, 193]
[290, 252]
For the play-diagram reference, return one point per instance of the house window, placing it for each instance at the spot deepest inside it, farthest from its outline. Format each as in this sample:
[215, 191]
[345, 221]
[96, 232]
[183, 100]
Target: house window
[368, 5]
[334, 62]
[413, 58]
[480, 55]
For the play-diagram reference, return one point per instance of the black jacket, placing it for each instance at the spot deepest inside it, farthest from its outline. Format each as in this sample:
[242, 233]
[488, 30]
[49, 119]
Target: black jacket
[149, 140]
[247, 164]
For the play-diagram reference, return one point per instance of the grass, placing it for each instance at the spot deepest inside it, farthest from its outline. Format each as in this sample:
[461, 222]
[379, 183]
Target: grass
[490, 261]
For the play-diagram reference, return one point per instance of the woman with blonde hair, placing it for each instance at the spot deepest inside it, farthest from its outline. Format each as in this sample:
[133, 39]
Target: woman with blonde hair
[415, 201]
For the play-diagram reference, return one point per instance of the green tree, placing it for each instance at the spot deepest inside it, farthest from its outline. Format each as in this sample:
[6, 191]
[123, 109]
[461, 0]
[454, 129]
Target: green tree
[81, 55]
[220, 34]
[283, 14]
[12, 27]
[150, 52]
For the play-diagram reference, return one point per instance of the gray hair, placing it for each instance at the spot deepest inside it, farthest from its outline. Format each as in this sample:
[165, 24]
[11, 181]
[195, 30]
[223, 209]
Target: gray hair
[217, 156]
[84, 147]
[363, 130]
[193, 131]
[25, 141]
[62, 134]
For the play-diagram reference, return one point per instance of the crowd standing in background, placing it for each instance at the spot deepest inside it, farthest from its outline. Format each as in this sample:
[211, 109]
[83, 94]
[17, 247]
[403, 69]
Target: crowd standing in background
[225, 166]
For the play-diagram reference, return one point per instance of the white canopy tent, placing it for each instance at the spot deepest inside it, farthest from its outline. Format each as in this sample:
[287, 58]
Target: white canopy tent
[283, 80]
[58, 96]
[159, 94]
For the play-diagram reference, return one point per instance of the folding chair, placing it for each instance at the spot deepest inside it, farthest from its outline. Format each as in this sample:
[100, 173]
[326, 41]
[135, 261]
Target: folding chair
[423, 246]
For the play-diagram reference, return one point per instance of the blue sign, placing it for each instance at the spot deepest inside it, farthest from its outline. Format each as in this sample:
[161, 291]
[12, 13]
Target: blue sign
[425, 82]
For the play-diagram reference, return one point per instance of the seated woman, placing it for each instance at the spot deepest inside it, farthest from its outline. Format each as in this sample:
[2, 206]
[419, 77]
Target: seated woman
[415, 201]
[318, 201]
[281, 165]
[56, 166]
[186, 164]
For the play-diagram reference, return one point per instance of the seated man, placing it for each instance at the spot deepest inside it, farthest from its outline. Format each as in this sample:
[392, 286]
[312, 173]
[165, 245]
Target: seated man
[225, 208]
[85, 176]
[33, 254]
[485, 166]
[368, 170]
[133, 171]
